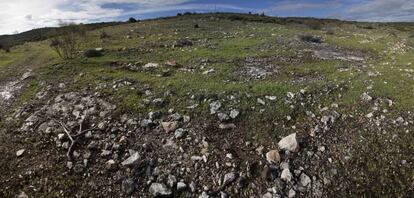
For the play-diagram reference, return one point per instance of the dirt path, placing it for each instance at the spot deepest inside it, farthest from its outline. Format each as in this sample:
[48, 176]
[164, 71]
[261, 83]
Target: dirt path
[14, 77]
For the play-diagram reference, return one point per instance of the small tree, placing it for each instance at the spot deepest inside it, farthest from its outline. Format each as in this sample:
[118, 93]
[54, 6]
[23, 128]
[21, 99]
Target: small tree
[67, 44]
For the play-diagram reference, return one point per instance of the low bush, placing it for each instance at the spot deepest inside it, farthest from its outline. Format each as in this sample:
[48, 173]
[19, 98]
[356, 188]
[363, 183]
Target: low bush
[310, 38]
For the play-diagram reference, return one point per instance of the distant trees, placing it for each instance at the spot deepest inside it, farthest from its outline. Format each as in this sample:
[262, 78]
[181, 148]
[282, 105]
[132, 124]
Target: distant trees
[66, 45]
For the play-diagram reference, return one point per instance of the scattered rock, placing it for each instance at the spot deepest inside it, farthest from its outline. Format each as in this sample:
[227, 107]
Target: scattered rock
[133, 159]
[286, 175]
[229, 178]
[223, 117]
[273, 156]
[289, 143]
[171, 181]
[181, 186]
[150, 65]
[159, 190]
[169, 126]
[20, 152]
[305, 180]
[365, 97]
[292, 193]
[215, 106]
[179, 133]
[128, 186]
[234, 113]
[260, 101]
[225, 126]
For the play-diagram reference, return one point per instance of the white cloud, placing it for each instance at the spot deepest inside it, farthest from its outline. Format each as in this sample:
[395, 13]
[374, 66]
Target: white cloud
[382, 10]
[22, 15]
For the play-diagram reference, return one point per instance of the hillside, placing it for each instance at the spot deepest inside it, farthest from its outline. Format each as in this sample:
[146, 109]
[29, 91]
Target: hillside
[212, 105]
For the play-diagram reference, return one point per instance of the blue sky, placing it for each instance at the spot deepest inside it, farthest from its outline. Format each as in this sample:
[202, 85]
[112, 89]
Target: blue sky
[23, 15]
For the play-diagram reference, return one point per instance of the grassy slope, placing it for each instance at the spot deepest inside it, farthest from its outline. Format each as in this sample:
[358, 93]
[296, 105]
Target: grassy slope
[227, 43]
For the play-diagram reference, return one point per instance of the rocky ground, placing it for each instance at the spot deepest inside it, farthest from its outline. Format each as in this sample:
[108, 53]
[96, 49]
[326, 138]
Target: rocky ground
[272, 113]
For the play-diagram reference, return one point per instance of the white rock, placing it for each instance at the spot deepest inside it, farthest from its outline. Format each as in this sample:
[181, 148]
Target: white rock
[131, 159]
[181, 186]
[271, 98]
[159, 190]
[305, 179]
[292, 193]
[214, 106]
[229, 177]
[260, 101]
[234, 113]
[151, 65]
[289, 143]
[366, 97]
[286, 175]
[20, 152]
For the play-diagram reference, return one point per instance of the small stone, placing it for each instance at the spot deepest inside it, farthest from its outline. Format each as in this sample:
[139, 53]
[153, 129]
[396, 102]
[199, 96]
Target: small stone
[110, 164]
[229, 177]
[286, 175]
[204, 195]
[227, 126]
[234, 113]
[22, 195]
[223, 117]
[128, 186]
[20, 152]
[260, 101]
[169, 126]
[292, 193]
[273, 156]
[61, 136]
[146, 123]
[305, 180]
[179, 133]
[172, 180]
[214, 107]
[159, 190]
[229, 155]
[223, 194]
[365, 97]
[181, 186]
[133, 159]
[267, 195]
[289, 143]
[271, 98]
[151, 65]
[193, 186]
[65, 145]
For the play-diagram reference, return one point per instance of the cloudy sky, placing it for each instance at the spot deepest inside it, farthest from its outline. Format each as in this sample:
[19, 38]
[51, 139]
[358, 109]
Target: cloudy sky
[23, 15]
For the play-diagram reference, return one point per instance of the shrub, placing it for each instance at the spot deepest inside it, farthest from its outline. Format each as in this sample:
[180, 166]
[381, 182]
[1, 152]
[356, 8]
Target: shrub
[132, 20]
[310, 39]
[92, 53]
[4, 46]
[314, 24]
